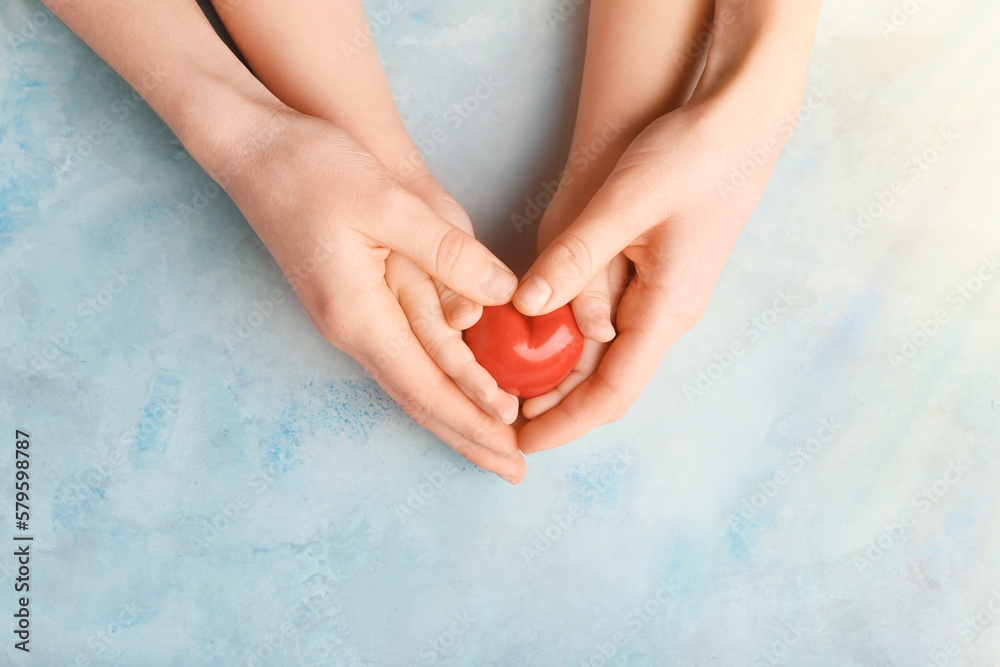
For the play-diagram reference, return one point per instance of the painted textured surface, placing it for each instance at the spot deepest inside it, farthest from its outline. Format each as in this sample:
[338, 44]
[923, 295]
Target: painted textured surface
[218, 487]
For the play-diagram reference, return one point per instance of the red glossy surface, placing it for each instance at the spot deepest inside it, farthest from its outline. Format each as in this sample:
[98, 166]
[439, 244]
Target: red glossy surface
[527, 356]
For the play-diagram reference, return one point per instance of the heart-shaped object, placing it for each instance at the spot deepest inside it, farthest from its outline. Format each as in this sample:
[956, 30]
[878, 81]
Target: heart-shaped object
[527, 356]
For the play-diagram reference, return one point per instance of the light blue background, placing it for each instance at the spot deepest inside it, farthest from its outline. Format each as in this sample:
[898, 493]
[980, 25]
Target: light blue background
[346, 535]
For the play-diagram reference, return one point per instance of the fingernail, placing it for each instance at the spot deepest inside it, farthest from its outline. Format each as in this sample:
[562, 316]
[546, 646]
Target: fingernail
[510, 480]
[534, 293]
[497, 283]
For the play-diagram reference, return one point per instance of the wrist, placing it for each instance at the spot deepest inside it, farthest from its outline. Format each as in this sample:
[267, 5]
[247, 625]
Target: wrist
[224, 122]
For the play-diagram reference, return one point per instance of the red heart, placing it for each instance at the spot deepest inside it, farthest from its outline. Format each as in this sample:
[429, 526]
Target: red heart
[527, 356]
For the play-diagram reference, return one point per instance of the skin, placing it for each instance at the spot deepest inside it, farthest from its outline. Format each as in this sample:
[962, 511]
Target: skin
[329, 210]
[288, 46]
[635, 241]
[650, 207]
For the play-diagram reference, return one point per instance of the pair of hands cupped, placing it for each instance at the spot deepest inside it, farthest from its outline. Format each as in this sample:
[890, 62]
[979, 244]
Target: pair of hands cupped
[390, 272]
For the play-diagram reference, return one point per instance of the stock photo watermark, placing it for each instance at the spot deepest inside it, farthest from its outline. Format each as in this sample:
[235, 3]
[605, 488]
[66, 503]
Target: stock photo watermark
[794, 461]
[262, 311]
[970, 630]
[923, 501]
[579, 161]
[85, 143]
[964, 292]
[30, 28]
[777, 652]
[306, 616]
[22, 540]
[85, 313]
[99, 644]
[454, 117]
[912, 172]
[203, 195]
[424, 494]
[982, 620]
[378, 20]
[85, 486]
[752, 330]
[227, 513]
[437, 647]
[562, 522]
[756, 158]
[901, 14]
[562, 12]
[632, 624]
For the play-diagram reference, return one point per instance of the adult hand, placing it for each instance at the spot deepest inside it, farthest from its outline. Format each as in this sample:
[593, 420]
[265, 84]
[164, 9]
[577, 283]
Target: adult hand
[289, 49]
[438, 314]
[669, 213]
[339, 225]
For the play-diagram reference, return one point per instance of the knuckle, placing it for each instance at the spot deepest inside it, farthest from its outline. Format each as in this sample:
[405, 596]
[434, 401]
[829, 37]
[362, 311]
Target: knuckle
[433, 310]
[452, 247]
[617, 414]
[337, 328]
[484, 433]
[481, 436]
[570, 252]
[416, 408]
[436, 348]
[469, 374]
[445, 293]
[448, 300]
[423, 321]
[387, 203]
[594, 301]
[447, 297]
[418, 416]
[466, 451]
[420, 406]
[467, 364]
[690, 312]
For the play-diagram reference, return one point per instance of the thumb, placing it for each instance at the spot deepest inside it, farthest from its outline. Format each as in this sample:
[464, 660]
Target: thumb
[573, 259]
[447, 253]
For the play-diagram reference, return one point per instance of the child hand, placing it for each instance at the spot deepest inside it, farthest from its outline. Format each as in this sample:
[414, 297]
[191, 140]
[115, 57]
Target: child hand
[332, 216]
[438, 315]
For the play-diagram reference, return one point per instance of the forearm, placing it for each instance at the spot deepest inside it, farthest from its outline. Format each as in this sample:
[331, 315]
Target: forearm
[169, 53]
[759, 53]
[643, 58]
[316, 56]
[744, 60]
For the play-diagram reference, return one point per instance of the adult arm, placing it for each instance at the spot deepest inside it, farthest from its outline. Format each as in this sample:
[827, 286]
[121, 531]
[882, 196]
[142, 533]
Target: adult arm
[307, 186]
[663, 206]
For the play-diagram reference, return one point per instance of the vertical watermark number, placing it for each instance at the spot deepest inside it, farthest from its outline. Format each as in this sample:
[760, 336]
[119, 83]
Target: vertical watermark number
[22, 545]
